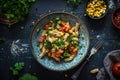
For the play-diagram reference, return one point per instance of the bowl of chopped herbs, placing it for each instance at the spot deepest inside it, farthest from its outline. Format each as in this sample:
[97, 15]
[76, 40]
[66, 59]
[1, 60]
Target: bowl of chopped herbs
[13, 11]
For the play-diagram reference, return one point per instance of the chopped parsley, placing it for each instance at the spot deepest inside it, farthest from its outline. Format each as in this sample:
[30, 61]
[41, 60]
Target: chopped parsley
[59, 43]
[48, 44]
[2, 39]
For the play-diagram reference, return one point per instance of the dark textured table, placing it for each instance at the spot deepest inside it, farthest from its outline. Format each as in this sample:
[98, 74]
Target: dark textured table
[98, 29]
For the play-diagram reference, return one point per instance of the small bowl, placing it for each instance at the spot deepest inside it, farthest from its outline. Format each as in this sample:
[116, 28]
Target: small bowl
[100, 16]
[113, 18]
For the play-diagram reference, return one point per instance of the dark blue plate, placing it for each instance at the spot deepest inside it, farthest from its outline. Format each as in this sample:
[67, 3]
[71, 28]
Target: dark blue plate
[52, 64]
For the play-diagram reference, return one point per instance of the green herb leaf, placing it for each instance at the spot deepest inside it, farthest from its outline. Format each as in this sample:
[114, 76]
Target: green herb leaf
[66, 54]
[9, 15]
[28, 76]
[73, 2]
[17, 67]
[59, 42]
[38, 30]
[15, 10]
[70, 38]
[15, 72]
[48, 44]
[2, 39]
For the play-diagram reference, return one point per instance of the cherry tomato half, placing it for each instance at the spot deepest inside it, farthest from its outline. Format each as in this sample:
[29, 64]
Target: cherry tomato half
[116, 69]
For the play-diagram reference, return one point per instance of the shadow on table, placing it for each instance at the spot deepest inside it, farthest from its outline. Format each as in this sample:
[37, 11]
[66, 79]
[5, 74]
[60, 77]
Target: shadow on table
[96, 24]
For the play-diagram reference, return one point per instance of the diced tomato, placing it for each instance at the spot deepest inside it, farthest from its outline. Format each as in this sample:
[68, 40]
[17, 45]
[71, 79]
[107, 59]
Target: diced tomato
[63, 23]
[46, 26]
[62, 29]
[67, 29]
[58, 53]
[49, 54]
[41, 39]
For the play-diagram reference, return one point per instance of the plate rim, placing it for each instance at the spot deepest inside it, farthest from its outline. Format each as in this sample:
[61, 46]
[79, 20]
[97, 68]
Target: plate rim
[57, 12]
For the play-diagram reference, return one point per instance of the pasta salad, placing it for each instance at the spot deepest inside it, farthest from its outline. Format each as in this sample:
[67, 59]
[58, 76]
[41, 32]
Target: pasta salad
[59, 40]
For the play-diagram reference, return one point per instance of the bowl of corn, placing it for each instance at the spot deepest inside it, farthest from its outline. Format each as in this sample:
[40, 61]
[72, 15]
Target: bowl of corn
[96, 9]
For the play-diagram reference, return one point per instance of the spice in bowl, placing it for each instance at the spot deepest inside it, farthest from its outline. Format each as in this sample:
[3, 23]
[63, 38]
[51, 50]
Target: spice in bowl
[96, 8]
[116, 18]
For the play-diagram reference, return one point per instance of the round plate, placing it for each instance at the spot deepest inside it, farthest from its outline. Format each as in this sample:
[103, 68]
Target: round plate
[52, 64]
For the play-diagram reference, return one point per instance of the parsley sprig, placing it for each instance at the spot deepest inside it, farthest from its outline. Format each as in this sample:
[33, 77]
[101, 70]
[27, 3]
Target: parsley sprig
[17, 68]
[73, 2]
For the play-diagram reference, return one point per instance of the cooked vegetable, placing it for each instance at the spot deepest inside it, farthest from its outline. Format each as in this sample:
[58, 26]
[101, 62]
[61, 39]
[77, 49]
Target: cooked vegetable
[56, 40]
[96, 8]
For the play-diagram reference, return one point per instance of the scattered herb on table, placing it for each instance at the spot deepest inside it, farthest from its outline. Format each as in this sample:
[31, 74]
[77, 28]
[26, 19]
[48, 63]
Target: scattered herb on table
[117, 38]
[113, 42]
[2, 39]
[17, 68]
[28, 76]
[73, 2]
[91, 38]
[66, 75]
[38, 30]
[32, 23]
[15, 9]
[22, 27]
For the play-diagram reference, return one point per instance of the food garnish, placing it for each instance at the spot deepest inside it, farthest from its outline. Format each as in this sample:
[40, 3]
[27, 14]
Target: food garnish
[17, 68]
[73, 2]
[28, 76]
